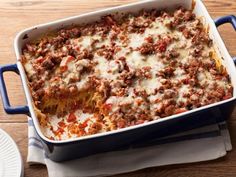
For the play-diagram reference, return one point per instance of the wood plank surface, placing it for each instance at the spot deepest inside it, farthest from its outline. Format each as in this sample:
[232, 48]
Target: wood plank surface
[16, 15]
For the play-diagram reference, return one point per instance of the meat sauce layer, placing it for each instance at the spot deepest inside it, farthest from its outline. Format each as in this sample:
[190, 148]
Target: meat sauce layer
[121, 72]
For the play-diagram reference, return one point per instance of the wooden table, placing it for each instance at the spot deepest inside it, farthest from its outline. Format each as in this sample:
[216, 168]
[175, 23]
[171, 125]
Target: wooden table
[16, 15]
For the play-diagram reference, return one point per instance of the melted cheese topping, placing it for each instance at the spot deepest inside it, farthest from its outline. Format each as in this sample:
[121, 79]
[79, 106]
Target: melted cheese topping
[118, 73]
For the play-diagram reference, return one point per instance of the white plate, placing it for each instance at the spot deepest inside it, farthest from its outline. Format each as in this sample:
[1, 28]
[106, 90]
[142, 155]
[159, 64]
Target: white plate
[10, 158]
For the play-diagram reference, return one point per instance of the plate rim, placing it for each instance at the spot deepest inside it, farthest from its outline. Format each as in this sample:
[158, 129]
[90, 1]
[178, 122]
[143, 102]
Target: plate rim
[16, 149]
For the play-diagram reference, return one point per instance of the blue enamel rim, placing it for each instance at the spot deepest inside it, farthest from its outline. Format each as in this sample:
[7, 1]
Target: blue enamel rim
[13, 67]
[227, 19]
[6, 104]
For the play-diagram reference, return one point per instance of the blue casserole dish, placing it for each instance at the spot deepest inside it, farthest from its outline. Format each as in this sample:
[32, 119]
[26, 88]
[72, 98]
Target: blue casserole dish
[114, 140]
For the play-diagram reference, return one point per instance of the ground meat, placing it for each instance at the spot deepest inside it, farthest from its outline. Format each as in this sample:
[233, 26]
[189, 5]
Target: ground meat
[188, 15]
[169, 93]
[109, 19]
[169, 110]
[146, 48]
[106, 52]
[123, 71]
[187, 33]
[48, 64]
[172, 54]
[36, 85]
[144, 72]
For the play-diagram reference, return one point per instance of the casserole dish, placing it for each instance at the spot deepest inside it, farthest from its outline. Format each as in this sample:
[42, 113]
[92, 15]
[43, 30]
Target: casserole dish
[68, 149]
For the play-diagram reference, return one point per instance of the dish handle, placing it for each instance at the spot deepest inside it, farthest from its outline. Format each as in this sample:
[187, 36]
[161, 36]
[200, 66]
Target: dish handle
[227, 19]
[6, 104]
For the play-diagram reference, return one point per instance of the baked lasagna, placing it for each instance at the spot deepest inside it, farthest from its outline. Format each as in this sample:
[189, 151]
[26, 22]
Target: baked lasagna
[121, 71]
